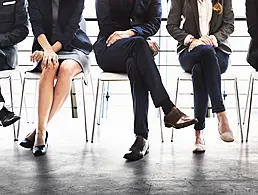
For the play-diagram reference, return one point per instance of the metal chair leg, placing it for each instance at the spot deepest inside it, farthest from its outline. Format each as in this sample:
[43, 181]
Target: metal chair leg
[84, 110]
[250, 108]
[95, 111]
[247, 98]
[11, 95]
[161, 127]
[25, 104]
[101, 107]
[92, 87]
[177, 88]
[238, 110]
[22, 94]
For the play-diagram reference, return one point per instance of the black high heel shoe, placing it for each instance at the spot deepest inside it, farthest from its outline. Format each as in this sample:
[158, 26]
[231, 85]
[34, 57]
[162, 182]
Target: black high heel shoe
[26, 143]
[41, 149]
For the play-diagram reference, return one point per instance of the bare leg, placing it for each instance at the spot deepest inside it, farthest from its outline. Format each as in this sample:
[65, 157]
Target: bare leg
[45, 100]
[68, 69]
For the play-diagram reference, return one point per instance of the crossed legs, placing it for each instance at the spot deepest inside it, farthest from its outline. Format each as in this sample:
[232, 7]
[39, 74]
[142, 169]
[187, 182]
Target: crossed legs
[51, 98]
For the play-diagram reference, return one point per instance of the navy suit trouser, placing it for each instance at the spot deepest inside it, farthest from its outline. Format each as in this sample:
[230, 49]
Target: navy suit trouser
[206, 65]
[134, 57]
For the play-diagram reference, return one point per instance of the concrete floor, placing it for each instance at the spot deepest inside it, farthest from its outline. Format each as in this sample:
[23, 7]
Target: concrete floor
[72, 166]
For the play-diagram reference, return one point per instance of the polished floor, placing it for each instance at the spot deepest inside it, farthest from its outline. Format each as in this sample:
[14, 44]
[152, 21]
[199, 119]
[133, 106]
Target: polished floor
[72, 166]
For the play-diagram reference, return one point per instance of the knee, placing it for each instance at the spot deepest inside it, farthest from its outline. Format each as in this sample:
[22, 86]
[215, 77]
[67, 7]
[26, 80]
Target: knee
[48, 73]
[139, 41]
[66, 71]
[208, 51]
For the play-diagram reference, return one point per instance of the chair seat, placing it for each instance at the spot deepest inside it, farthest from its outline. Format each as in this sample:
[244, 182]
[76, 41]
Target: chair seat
[36, 75]
[7, 73]
[255, 75]
[108, 76]
[225, 76]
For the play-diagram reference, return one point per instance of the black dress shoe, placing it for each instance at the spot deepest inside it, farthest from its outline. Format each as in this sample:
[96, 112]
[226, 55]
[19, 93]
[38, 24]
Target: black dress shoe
[8, 118]
[177, 119]
[26, 143]
[138, 150]
[41, 149]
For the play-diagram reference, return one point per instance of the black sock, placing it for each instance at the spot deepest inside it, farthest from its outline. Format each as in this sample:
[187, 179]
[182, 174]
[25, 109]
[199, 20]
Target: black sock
[3, 112]
[144, 135]
[166, 106]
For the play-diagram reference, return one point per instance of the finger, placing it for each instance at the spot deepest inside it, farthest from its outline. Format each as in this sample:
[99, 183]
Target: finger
[44, 61]
[110, 38]
[55, 59]
[55, 63]
[156, 46]
[49, 61]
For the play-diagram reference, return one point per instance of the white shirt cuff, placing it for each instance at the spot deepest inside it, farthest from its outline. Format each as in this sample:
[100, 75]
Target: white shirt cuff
[188, 39]
[214, 40]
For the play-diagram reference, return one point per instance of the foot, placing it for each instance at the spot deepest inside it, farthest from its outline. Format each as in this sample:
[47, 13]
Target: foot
[225, 132]
[199, 146]
[40, 146]
[29, 140]
[7, 117]
[138, 150]
[177, 119]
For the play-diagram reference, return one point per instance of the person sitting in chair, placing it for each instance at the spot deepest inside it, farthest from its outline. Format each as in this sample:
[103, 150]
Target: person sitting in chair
[14, 29]
[123, 46]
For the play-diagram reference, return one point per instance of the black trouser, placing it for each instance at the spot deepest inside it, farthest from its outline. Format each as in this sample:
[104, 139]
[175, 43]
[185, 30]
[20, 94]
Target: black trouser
[3, 66]
[206, 65]
[134, 57]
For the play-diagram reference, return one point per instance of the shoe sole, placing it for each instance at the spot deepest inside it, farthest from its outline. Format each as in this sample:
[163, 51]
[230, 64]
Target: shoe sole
[198, 151]
[169, 125]
[136, 159]
[11, 122]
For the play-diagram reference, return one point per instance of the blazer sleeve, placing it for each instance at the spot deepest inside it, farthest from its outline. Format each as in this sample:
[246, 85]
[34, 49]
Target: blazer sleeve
[36, 18]
[151, 27]
[174, 21]
[103, 12]
[73, 24]
[20, 28]
[252, 18]
[227, 26]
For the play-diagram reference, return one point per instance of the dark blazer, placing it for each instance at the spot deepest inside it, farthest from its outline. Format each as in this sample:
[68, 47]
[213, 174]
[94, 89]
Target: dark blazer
[13, 28]
[252, 23]
[117, 15]
[70, 15]
[221, 25]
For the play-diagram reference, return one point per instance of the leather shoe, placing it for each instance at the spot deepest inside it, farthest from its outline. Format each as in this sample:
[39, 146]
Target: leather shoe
[27, 143]
[138, 150]
[41, 149]
[177, 119]
[8, 118]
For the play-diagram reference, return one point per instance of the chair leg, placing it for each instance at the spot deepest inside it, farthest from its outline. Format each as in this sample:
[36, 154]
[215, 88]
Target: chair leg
[11, 95]
[101, 107]
[107, 98]
[177, 88]
[92, 87]
[22, 94]
[95, 111]
[238, 110]
[161, 127]
[247, 98]
[250, 108]
[35, 98]
[84, 110]
[25, 104]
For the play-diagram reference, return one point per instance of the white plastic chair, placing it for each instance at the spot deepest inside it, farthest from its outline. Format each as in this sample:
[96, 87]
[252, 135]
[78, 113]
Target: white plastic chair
[7, 74]
[107, 76]
[36, 77]
[227, 76]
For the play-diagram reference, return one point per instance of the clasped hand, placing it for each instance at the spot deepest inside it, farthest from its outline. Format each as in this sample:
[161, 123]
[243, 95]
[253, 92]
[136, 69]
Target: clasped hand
[48, 57]
[204, 40]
